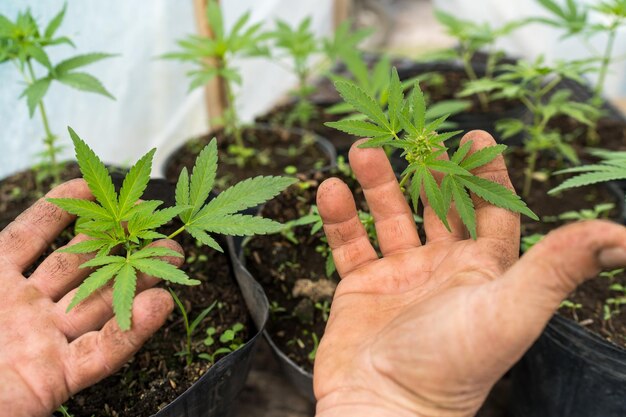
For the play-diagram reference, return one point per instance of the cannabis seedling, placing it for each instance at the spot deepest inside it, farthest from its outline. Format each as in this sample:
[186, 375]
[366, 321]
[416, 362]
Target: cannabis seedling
[404, 126]
[230, 339]
[472, 38]
[533, 84]
[299, 44]
[190, 328]
[24, 43]
[120, 227]
[574, 19]
[213, 58]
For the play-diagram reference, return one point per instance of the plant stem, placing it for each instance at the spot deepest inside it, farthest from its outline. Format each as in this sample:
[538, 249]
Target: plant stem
[606, 62]
[528, 175]
[177, 232]
[471, 74]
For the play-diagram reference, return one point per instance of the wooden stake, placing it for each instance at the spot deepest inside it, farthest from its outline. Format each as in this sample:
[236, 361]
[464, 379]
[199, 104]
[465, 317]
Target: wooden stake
[215, 91]
[341, 11]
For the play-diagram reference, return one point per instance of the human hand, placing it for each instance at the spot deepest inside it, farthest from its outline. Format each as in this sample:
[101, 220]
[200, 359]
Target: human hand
[429, 328]
[46, 354]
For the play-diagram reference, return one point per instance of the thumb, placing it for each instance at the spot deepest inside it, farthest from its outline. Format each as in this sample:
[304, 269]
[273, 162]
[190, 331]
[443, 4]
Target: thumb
[532, 290]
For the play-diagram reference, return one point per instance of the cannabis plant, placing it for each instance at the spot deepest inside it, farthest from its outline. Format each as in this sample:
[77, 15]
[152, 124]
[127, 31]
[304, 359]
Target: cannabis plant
[474, 37]
[376, 84]
[573, 18]
[534, 84]
[404, 126]
[213, 58]
[25, 44]
[299, 44]
[120, 227]
[612, 167]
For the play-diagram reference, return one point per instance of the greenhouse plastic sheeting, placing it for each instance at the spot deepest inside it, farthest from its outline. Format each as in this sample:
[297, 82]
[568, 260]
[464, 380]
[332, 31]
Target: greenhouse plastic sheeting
[153, 106]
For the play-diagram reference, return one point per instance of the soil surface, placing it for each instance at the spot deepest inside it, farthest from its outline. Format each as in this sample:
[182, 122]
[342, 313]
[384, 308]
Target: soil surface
[340, 140]
[157, 375]
[22, 190]
[610, 134]
[272, 150]
[548, 207]
[281, 266]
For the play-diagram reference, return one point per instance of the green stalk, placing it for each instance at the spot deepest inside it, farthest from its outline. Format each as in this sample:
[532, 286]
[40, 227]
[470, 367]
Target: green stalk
[231, 119]
[606, 62]
[471, 74]
[177, 232]
[528, 175]
[50, 138]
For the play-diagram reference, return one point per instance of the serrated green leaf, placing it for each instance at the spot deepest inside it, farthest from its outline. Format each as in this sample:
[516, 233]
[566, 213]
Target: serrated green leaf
[434, 196]
[161, 269]
[95, 173]
[135, 183]
[103, 260]
[377, 143]
[395, 99]
[155, 251]
[143, 208]
[482, 157]
[55, 23]
[202, 179]
[80, 61]
[590, 178]
[460, 153]
[34, 93]
[497, 195]
[204, 238]
[246, 194]
[359, 128]
[447, 167]
[123, 295]
[416, 188]
[85, 82]
[418, 103]
[83, 208]
[239, 225]
[182, 189]
[464, 206]
[87, 246]
[362, 102]
[38, 54]
[94, 282]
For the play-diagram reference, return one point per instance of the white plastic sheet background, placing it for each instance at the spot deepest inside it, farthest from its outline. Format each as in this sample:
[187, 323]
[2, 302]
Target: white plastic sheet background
[153, 106]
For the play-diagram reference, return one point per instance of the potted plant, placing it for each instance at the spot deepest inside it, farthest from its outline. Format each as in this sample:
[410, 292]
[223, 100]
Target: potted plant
[299, 306]
[574, 19]
[245, 151]
[578, 365]
[198, 362]
[25, 44]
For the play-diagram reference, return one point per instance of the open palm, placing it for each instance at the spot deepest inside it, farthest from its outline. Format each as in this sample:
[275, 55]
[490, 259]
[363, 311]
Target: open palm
[429, 328]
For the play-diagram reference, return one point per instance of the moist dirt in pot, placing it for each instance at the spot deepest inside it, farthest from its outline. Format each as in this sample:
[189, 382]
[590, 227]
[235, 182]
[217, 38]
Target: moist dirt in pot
[340, 140]
[157, 374]
[271, 151]
[21, 190]
[292, 274]
[549, 207]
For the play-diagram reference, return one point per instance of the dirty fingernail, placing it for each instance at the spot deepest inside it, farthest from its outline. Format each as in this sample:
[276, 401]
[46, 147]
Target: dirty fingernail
[613, 258]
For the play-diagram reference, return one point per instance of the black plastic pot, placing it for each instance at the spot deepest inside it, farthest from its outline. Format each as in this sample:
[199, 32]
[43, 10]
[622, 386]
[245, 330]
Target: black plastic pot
[214, 394]
[301, 379]
[570, 372]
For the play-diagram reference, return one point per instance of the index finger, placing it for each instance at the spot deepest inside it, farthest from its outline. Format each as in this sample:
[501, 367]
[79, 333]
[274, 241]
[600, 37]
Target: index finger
[28, 236]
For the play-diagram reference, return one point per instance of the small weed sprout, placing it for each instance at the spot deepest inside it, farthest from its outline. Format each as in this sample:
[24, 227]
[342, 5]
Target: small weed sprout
[474, 37]
[230, 340]
[24, 44]
[404, 126]
[533, 84]
[316, 343]
[572, 306]
[190, 328]
[324, 308]
[213, 58]
[613, 305]
[120, 220]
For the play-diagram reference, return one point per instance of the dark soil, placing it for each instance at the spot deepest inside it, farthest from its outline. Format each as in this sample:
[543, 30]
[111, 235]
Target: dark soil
[340, 140]
[156, 375]
[547, 207]
[21, 190]
[274, 149]
[610, 133]
[278, 264]
[592, 297]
